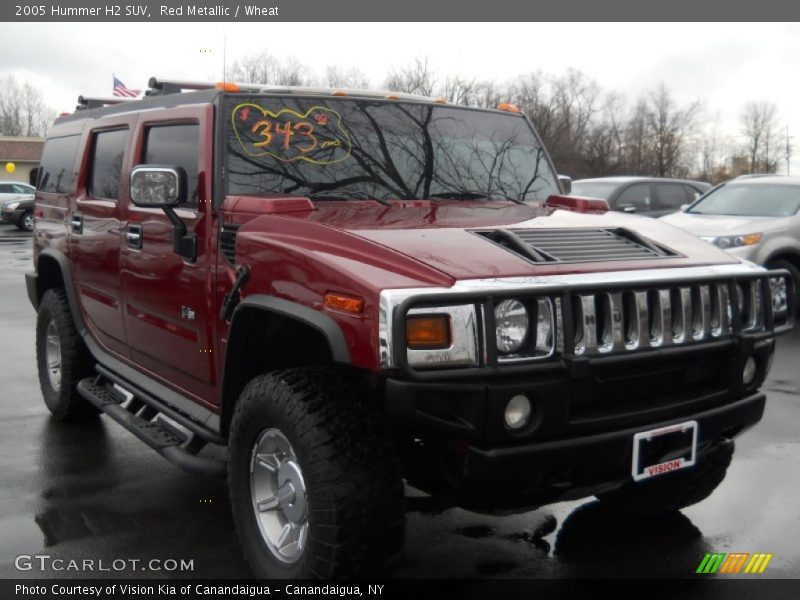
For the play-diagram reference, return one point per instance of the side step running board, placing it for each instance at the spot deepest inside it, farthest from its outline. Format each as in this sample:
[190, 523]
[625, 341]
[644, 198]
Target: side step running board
[178, 447]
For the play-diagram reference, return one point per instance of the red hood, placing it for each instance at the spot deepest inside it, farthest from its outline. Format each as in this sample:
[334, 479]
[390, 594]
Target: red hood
[438, 234]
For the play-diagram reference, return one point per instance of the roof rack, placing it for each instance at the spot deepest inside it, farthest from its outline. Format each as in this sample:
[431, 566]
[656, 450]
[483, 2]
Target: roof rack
[162, 87]
[87, 102]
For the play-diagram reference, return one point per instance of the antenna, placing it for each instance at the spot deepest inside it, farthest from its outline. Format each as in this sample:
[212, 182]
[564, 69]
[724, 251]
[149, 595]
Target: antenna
[788, 155]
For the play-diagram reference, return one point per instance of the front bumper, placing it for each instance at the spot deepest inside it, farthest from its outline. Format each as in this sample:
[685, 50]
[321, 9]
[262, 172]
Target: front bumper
[12, 216]
[576, 467]
[584, 418]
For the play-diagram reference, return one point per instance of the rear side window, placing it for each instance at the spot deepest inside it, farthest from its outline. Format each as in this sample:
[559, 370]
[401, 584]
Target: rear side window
[58, 164]
[175, 145]
[671, 196]
[636, 195]
[108, 151]
[6, 188]
[692, 193]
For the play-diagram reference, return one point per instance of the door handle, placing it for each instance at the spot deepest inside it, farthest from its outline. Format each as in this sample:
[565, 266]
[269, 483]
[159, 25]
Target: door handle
[134, 236]
[76, 223]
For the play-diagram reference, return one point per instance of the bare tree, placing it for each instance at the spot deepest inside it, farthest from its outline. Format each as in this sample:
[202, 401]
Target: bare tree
[416, 78]
[23, 111]
[336, 77]
[604, 141]
[759, 127]
[668, 126]
[259, 67]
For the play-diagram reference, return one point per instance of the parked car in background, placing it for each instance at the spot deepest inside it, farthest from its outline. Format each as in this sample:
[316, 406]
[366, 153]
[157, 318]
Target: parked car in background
[754, 218]
[16, 204]
[650, 196]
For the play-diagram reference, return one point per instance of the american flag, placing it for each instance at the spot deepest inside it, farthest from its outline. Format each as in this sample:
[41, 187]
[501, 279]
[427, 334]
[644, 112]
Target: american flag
[121, 90]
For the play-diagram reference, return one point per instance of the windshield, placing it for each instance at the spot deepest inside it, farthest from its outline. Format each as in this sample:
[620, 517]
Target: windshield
[593, 189]
[750, 200]
[359, 149]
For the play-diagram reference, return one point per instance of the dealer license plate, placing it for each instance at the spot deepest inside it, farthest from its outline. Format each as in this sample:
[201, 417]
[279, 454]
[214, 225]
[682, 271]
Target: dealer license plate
[664, 450]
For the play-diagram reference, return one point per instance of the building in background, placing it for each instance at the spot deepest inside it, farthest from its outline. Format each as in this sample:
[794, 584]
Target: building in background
[23, 152]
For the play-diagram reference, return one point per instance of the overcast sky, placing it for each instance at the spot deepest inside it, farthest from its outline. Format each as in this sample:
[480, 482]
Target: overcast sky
[723, 65]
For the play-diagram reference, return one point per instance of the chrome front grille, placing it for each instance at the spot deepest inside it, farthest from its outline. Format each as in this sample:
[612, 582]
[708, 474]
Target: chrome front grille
[620, 321]
[595, 315]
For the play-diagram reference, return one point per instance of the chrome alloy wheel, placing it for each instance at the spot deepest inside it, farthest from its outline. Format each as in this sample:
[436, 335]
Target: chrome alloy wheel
[780, 295]
[278, 491]
[27, 221]
[52, 356]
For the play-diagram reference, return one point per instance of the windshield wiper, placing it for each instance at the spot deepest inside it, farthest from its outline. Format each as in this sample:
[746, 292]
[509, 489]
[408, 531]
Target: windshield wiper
[471, 196]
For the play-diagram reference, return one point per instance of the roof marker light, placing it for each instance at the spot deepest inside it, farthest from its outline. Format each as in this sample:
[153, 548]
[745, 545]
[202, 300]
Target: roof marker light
[226, 86]
[508, 107]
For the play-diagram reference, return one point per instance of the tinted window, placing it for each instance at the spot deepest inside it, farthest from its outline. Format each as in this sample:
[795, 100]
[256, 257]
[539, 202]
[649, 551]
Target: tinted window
[637, 195]
[6, 188]
[22, 189]
[692, 193]
[671, 196]
[175, 145]
[593, 189]
[108, 150]
[58, 164]
[375, 149]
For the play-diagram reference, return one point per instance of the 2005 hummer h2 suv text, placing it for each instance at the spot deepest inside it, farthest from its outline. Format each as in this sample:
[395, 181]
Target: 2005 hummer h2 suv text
[352, 289]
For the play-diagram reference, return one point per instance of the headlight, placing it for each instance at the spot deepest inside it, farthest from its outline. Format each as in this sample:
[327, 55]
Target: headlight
[11, 206]
[734, 241]
[511, 324]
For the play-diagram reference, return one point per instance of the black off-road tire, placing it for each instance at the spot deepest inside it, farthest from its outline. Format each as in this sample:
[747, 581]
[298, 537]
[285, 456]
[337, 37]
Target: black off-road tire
[673, 491]
[354, 489]
[64, 403]
[25, 222]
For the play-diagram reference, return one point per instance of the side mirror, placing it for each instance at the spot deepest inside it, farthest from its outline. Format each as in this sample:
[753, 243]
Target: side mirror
[33, 176]
[155, 186]
[627, 208]
[685, 207]
[565, 182]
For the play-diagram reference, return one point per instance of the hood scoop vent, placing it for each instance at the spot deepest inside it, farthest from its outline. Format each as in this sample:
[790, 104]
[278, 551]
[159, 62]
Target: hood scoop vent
[576, 245]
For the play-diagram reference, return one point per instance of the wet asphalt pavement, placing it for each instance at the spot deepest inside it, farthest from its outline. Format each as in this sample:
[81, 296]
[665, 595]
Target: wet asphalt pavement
[95, 492]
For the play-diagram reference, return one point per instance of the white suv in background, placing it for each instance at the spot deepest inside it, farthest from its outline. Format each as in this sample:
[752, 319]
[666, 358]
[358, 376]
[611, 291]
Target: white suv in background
[754, 218]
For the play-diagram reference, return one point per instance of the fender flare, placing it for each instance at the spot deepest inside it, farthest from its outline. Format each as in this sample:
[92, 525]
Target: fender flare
[321, 322]
[32, 279]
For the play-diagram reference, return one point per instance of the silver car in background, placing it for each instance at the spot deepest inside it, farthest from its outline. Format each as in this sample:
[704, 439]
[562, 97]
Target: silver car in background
[755, 219]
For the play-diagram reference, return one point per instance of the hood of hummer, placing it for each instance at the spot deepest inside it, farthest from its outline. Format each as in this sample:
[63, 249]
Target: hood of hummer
[443, 235]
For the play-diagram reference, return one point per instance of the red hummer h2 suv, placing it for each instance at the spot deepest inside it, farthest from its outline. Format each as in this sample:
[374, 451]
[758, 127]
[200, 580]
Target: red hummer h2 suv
[353, 289]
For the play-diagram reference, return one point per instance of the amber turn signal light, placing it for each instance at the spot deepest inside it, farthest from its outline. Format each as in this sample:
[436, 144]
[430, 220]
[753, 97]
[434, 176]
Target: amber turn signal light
[428, 333]
[344, 303]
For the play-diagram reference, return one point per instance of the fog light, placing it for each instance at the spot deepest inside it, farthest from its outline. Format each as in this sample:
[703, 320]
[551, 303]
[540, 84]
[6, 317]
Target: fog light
[749, 371]
[518, 412]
